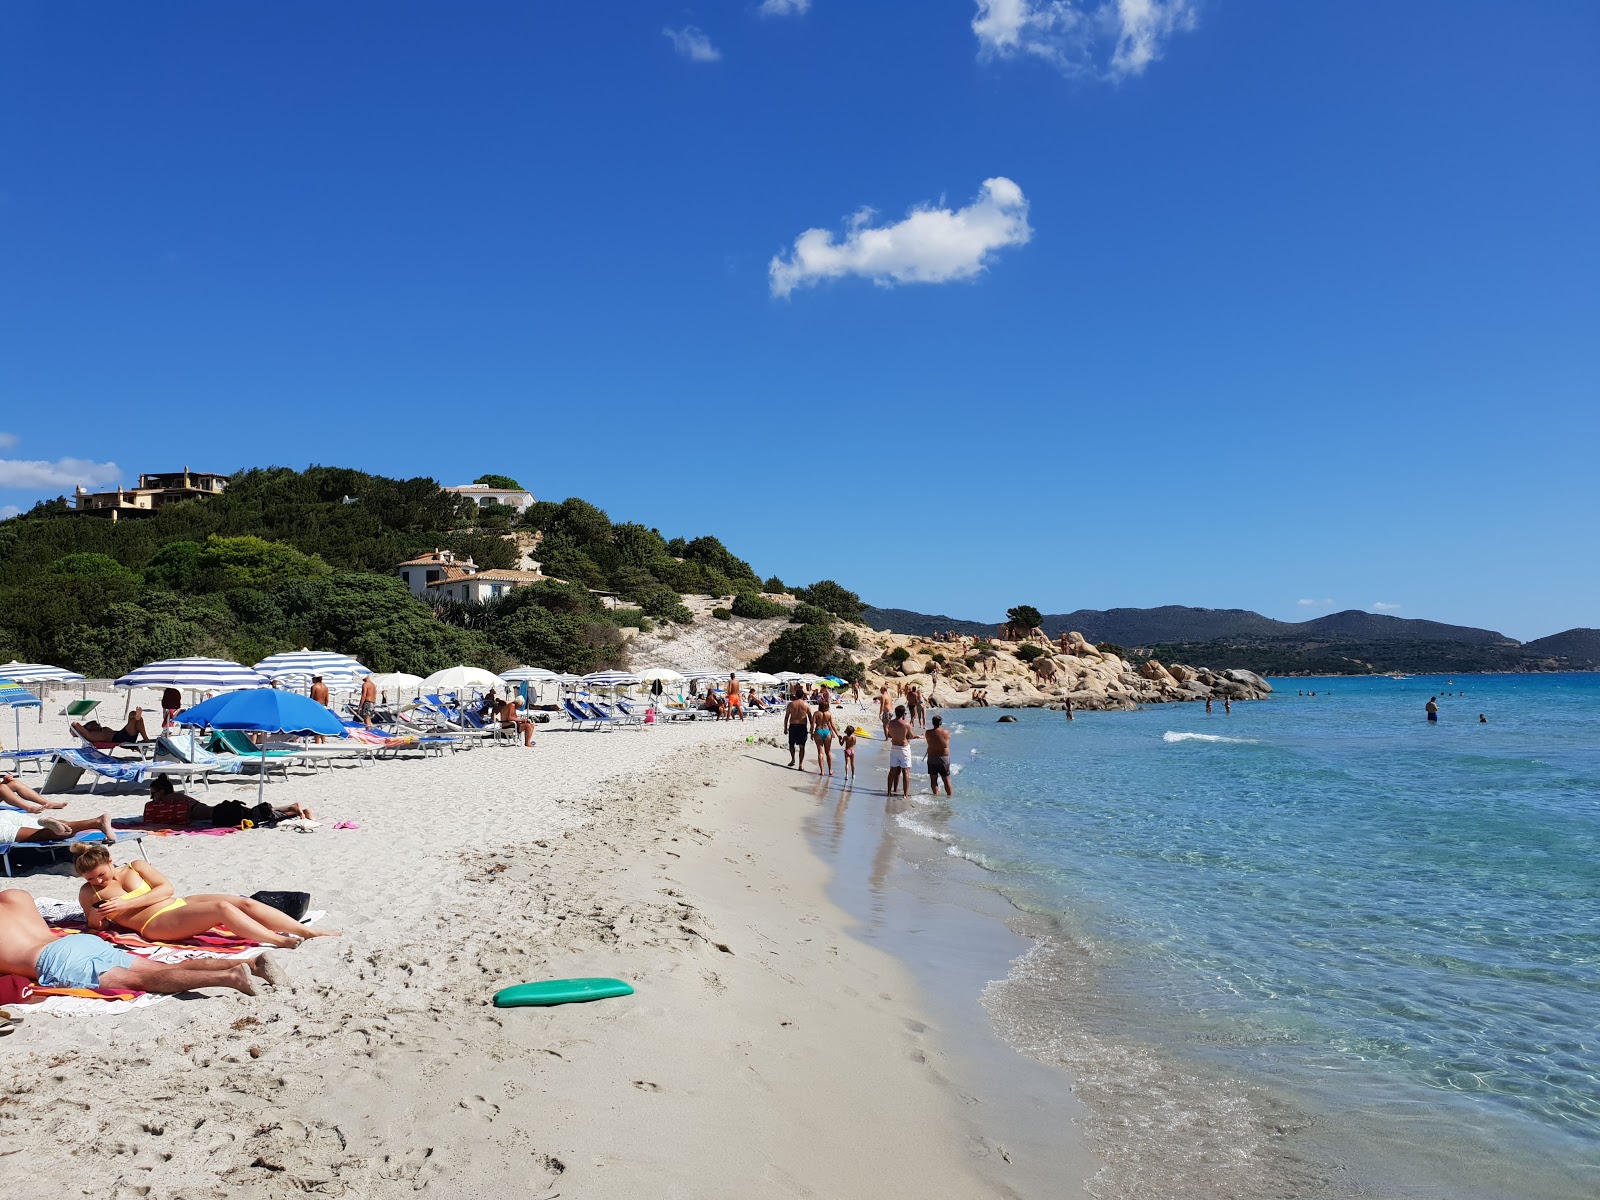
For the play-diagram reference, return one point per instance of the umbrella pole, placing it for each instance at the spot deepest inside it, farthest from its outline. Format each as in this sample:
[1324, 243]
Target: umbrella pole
[261, 777]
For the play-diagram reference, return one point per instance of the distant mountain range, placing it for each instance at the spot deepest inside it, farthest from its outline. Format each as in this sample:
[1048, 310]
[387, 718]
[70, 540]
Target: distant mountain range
[1346, 643]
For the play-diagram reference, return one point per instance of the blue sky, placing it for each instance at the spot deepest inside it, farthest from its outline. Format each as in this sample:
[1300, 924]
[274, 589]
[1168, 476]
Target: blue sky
[1223, 303]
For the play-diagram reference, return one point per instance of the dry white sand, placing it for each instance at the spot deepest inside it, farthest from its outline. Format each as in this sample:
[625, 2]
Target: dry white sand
[764, 1054]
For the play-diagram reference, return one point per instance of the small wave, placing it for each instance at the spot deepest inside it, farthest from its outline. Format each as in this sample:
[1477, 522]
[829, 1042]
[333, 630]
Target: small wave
[1169, 737]
[972, 856]
[910, 823]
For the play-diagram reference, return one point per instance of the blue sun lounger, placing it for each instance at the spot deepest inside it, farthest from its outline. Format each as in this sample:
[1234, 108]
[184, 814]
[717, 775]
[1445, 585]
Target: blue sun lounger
[123, 835]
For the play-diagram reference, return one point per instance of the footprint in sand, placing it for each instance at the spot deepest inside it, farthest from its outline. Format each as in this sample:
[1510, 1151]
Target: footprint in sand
[644, 1085]
[481, 1106]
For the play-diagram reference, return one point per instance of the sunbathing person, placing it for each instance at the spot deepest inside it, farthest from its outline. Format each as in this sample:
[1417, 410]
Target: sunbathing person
[141, 898]
[81, 960]
[19, 795]
[199, 811]
[97, 734]
[31, 827]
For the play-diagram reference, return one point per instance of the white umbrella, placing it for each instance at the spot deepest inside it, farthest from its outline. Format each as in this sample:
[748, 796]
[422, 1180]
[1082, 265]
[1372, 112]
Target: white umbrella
[455, 679]
[396, 681]
[215, 673]
[704, 675]
[297, 666]
[790, 677]
[665, 674]
[762, 678]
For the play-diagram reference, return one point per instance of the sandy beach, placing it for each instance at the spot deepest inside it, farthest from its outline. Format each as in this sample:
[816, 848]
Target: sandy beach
[765, 1053]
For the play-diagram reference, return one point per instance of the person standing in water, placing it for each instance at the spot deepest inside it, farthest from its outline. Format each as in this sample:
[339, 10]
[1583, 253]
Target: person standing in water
[900, 734]
[1432, 708]
[939, 756]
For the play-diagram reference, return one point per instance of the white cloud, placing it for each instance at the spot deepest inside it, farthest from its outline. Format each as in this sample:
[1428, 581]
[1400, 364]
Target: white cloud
[7, 511]
[1325, 602]
[1105, 39]
[785, 8]
[692, 43]
[63, 473]
[1380, 606]
[7, 440]
[932, 245]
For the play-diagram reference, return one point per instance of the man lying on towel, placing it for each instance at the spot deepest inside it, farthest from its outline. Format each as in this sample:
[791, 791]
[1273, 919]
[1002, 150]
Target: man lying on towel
[81, 960]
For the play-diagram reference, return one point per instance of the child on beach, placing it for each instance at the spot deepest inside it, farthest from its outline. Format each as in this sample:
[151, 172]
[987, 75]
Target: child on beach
[848, 741]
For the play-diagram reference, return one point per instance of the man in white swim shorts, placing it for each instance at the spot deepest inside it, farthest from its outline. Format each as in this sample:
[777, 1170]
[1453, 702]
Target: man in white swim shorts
[898, 730]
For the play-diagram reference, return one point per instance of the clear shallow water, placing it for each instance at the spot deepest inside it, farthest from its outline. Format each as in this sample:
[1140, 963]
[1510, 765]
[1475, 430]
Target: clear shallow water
[1388, 932]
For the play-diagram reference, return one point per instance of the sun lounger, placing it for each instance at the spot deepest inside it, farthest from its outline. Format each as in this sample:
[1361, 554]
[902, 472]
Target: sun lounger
[79, 709]
[70, 764]
[621, 718]
[250, 756]
[584, 719]
[123, 835]
[20, 760]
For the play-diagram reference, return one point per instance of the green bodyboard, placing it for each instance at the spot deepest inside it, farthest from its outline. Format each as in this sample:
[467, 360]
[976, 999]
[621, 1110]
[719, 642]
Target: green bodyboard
[560, 991]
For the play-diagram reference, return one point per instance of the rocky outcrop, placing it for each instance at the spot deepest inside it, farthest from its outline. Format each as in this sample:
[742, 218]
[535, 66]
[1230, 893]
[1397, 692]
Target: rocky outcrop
[1076, 673]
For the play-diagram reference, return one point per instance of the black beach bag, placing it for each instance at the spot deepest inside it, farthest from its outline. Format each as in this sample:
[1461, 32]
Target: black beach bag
[292, 904]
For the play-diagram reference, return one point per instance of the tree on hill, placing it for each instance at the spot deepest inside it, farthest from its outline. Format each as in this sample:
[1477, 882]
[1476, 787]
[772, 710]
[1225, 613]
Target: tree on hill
[1024, 616]
[503, 482]
[833, 597]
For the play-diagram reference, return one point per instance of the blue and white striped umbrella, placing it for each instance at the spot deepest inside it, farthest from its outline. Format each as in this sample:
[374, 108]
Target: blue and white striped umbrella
[216, 673]
[19, 672]
[610, 679]
[705, 676]
[298, 667]
[530, 675]
[17, 698]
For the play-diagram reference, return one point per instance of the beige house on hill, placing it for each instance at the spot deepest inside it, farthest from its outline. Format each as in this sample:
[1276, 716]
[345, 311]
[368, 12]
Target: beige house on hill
[153, 492]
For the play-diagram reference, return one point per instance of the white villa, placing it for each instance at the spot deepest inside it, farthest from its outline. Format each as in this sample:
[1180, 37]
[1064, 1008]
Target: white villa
[443, 575]
[481, 494]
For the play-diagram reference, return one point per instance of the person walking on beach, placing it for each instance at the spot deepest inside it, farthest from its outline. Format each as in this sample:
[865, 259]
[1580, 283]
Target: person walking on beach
[369, 700]
[735, 701]
[855, 691]
[939, 757]
[797, 716]
[900, 734]
[847, 739]
[1432, 708]
[823, 730]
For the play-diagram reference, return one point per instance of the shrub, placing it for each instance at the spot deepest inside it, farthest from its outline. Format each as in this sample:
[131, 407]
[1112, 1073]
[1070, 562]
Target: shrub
[938, 658]
[810, 614]
[849, 640]
[807, 648]
[722, 614]
[629, 618]
[774, 585]
[1027, 652]
[827, 594]
[503, 482]
[898, 655]
[1112, 648]
[749, 604]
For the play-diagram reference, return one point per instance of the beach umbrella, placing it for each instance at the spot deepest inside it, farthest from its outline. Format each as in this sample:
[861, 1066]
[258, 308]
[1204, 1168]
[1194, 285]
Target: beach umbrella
[762, 678]
[609, 679]
[396, 681]
[18, 698]
[665, 674]
[19, 672]
[703, 675]
[215, 673]
[530, 675]
[459, 679]
[264, 710]
[337, 670]
[789, 677]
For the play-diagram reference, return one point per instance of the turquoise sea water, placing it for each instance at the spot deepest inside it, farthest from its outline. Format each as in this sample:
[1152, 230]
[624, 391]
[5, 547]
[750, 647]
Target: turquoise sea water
[1359, 950]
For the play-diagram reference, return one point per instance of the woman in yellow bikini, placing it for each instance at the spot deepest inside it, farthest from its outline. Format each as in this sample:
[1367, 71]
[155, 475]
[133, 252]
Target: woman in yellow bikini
[140, 898]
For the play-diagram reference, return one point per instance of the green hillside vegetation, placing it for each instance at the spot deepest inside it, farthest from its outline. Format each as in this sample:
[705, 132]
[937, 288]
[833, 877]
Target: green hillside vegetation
[285, 559]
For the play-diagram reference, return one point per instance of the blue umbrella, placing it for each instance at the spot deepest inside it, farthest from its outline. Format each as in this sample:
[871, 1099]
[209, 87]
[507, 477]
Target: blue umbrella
[18, 698]
[263, 710]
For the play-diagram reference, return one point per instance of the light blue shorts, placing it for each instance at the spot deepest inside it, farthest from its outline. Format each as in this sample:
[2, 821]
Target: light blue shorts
[78, 960]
